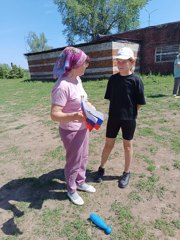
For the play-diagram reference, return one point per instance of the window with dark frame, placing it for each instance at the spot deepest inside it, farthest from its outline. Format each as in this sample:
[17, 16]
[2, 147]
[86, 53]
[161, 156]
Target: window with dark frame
[166, 53]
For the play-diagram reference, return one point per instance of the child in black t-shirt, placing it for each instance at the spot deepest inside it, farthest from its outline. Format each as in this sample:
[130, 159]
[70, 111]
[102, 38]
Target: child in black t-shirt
[125, 91]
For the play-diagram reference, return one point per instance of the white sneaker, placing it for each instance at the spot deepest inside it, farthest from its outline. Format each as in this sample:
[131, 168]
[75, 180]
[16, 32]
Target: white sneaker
[86, 188]
[75, 198]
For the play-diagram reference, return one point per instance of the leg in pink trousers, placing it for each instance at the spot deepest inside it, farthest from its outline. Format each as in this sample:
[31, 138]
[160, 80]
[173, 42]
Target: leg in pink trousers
[76, 144]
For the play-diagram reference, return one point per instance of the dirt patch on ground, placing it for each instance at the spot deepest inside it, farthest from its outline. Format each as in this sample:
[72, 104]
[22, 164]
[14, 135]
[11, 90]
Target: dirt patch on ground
[32, 182]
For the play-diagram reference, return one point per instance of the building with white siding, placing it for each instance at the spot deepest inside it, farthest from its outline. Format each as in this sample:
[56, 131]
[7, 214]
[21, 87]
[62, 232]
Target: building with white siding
[155, 49]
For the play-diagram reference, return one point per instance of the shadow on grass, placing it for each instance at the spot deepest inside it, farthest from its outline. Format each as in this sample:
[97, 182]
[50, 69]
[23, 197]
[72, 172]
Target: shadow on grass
[91, 177]
[38, 80]
[53, 80]
[157, 96]
[35, 191]
[32, 190]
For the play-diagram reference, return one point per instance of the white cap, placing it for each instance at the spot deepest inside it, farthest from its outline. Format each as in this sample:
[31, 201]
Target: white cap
[125, 53]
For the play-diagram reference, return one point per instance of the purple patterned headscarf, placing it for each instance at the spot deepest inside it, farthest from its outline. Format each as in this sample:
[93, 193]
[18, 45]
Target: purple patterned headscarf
[69, 58]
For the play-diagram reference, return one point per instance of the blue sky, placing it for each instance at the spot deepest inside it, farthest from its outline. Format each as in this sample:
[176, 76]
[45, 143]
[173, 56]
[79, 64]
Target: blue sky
[19, 17]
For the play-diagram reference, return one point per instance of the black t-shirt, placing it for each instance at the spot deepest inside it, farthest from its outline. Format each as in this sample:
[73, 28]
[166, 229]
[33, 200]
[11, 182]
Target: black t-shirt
[124, 93]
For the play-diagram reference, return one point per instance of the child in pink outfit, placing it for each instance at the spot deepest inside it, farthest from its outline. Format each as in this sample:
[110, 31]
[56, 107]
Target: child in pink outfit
[66, 109]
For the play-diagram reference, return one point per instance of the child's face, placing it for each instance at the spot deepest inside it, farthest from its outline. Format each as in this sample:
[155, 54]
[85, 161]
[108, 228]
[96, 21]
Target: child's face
[125, 66]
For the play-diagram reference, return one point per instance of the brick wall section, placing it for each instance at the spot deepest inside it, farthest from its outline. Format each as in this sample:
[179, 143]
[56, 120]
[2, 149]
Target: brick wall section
[143, 42]
[152, 37]
[102, 64]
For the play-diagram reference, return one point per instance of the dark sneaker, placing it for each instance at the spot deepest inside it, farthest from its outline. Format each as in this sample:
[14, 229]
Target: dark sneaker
[124, 180]
[99, 174]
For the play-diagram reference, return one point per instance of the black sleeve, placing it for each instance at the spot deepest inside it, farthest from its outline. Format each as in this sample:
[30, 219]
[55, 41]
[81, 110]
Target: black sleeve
[140, 92]
[108, 90]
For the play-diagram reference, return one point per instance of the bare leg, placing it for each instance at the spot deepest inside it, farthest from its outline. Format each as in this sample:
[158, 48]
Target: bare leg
[109, 144]
[128, 153]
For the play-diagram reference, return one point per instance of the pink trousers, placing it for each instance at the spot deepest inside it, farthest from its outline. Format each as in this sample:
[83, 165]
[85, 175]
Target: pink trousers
[76, 144]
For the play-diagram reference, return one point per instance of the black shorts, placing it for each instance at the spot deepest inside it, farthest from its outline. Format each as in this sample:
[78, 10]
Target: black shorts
[127, 127]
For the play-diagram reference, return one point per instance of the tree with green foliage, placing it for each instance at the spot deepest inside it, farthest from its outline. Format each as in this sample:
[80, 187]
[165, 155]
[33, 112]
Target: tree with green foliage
[7, 72]
[4, 69]
[37, 44]
[85, 19]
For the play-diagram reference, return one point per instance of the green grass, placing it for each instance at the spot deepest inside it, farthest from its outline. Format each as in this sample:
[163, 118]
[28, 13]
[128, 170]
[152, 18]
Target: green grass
[20, 126]
[151, 168]
[175, 144]
[76, 229]
[177, 164]
[157, 135]
[135, 196]
[168, 228]
[56, 153]
[130, 229]
[23, 96]
[148, 184]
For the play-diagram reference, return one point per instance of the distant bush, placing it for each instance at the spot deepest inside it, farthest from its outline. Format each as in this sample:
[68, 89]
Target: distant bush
[4, 69]
[11, 72]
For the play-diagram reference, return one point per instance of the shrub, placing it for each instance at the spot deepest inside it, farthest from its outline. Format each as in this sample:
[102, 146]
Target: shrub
[11, 72]
[4, 69]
